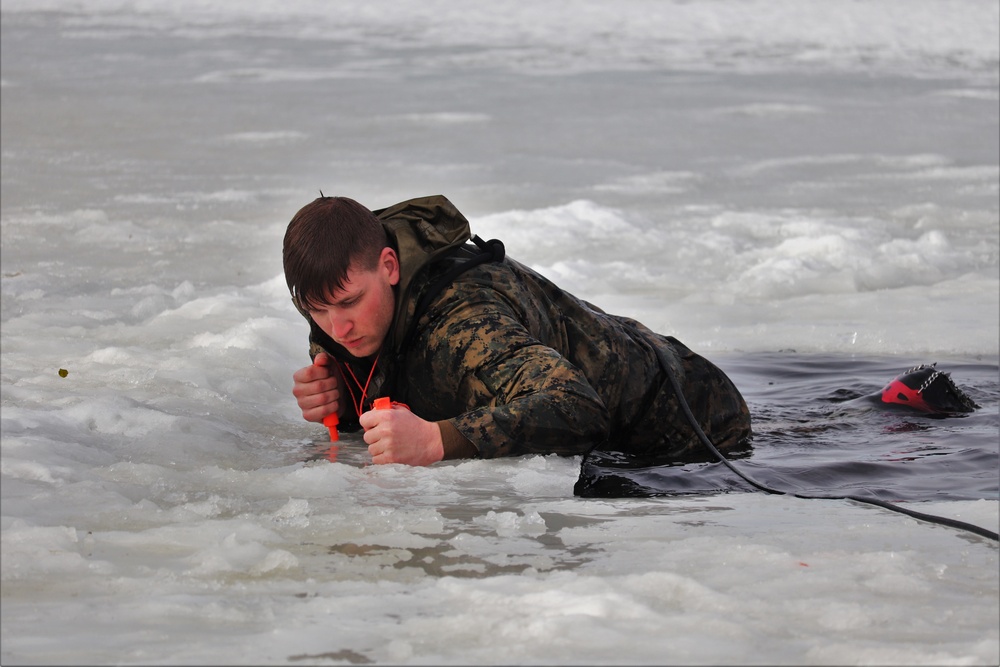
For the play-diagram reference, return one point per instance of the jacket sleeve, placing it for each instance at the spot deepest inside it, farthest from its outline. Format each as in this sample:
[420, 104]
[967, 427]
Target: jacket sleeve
[479, 366]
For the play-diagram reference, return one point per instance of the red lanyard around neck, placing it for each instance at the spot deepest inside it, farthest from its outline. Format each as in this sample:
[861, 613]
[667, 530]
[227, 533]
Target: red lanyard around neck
[359, 405]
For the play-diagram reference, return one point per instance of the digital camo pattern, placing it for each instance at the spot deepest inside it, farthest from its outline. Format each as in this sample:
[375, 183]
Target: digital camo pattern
[520, 366]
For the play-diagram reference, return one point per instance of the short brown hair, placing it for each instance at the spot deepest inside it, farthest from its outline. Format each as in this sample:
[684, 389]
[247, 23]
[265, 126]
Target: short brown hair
[325, 239]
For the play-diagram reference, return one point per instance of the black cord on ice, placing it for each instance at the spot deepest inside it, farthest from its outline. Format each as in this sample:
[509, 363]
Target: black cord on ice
[944, 521]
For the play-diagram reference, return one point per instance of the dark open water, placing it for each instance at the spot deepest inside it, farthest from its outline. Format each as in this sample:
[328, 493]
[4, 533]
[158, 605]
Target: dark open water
[813, 437]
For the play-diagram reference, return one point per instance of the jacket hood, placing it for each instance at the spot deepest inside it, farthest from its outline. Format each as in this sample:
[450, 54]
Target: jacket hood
[422, 230]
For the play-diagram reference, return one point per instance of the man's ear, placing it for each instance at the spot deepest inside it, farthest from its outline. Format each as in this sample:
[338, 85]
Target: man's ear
[389, 262]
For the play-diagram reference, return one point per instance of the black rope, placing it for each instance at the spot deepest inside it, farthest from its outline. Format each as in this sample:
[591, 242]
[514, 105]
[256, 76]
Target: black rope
[944, 521]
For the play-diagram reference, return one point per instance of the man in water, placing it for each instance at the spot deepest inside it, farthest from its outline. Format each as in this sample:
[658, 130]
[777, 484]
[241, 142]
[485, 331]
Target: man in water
[481, 356]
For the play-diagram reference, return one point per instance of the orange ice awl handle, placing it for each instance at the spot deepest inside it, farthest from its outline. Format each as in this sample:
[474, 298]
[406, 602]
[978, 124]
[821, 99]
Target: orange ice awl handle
[331, 421]
[385, 403]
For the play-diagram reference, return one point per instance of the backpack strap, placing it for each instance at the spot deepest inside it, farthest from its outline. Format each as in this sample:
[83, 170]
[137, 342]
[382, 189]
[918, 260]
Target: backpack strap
[489, 251]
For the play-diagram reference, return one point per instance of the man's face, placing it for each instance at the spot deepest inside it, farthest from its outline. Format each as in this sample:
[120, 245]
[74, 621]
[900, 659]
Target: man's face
[359, 315]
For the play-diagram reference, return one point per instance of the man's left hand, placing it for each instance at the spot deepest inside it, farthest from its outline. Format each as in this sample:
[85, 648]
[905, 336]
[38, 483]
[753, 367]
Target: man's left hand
[399, 436]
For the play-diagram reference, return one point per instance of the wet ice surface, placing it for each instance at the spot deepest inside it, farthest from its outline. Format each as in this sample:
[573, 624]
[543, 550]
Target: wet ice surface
[748, 177]
[396, 565]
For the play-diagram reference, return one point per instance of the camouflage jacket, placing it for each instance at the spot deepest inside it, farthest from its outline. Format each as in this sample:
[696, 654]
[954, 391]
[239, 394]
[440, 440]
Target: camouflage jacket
[519, 366]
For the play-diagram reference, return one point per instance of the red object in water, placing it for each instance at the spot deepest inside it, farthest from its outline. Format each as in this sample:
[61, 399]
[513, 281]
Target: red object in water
[897, 392]
[927, 389]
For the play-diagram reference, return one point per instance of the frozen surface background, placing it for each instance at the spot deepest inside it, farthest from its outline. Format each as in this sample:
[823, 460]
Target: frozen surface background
[753, 177]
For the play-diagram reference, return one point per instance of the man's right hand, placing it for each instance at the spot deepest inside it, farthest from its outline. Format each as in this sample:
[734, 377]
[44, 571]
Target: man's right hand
[317, 389]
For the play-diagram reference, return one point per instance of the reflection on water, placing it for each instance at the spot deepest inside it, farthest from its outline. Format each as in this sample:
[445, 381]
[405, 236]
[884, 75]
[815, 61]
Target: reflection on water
[349, 450]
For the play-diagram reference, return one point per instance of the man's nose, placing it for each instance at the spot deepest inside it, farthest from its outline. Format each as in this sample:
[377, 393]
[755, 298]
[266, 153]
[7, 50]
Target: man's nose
[340, 326]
